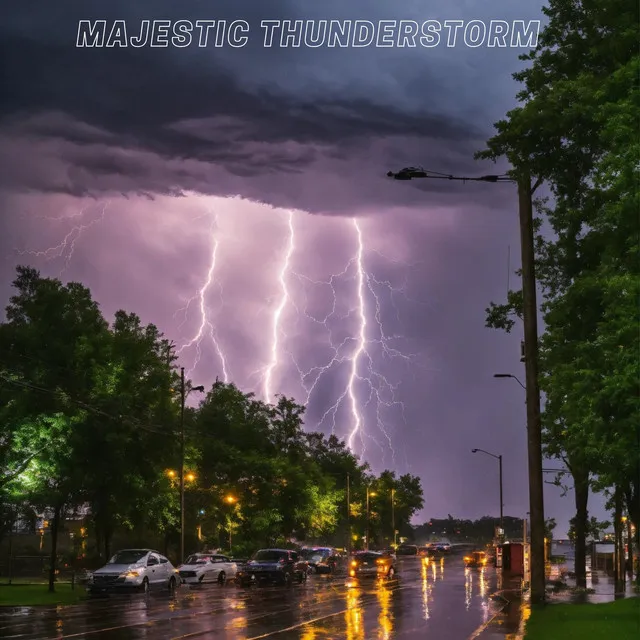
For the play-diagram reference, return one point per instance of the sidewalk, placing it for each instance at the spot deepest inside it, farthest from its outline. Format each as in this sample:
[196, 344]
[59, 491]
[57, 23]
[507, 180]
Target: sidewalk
[512, 612]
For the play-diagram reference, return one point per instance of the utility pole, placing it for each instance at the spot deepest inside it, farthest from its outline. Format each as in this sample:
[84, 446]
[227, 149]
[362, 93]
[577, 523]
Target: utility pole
[530, 321]
[182, 401]
[532, 388]
[501, 502]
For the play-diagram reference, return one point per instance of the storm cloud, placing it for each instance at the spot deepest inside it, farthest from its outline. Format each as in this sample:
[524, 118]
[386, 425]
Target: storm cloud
[122, 168]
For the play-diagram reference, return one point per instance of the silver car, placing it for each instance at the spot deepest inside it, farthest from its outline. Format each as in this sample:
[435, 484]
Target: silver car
[140, 569]
[205, 567]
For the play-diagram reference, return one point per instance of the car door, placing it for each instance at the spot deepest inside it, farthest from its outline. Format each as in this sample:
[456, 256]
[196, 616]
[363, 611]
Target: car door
[166, 569]
[215, 565]
[221, 563]
[154, 572]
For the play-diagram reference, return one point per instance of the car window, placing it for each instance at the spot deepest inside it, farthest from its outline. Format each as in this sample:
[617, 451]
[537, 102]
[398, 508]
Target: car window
[219, 559]
[163, 560]
[152, 560]
[129, 556]
[269, 555]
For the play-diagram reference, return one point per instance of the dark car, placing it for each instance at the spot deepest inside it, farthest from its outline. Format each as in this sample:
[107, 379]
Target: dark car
[407, 550]
[323, 559]
[272, 565]
[476, 559]
[372, 564]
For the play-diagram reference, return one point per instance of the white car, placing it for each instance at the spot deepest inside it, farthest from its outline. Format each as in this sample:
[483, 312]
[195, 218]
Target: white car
[141, 569]
[205, 567]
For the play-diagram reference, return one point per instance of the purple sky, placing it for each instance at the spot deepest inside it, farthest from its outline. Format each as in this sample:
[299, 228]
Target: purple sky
[132, 165]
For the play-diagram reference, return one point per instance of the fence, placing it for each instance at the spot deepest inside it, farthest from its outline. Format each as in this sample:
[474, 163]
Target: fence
[34, 569]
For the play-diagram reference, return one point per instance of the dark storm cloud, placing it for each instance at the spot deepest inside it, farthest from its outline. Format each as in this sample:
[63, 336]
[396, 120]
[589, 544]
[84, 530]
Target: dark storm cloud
[208, 108]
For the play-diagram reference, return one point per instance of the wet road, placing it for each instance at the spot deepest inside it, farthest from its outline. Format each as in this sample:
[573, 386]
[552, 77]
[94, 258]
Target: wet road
[440, 600]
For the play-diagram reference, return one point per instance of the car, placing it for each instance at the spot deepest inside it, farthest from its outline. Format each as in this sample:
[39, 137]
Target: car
[322, 559]
[140, 569]
[372, 564]
[204, 567]
[407, 550]
[476, 559]
[282, 566]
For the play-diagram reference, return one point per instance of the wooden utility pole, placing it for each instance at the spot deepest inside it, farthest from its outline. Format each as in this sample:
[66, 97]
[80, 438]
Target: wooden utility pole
[348, 547]
[534, 424]
[182, 400]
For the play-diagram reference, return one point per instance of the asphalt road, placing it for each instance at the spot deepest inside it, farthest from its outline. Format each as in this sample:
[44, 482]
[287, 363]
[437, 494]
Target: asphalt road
[440, 600]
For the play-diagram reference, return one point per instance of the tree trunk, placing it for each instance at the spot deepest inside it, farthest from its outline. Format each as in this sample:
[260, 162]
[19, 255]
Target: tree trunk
[107, 542]
[633, 508]
[581, 487]
[53, 563]
[618, 555]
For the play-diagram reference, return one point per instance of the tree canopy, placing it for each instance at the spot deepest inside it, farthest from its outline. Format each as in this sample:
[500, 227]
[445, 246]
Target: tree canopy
[90, 418]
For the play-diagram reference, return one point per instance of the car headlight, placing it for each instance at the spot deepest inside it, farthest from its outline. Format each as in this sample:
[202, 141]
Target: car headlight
[130, 574]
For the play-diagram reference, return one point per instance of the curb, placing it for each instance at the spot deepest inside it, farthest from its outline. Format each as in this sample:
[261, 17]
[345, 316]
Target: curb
[498, 595]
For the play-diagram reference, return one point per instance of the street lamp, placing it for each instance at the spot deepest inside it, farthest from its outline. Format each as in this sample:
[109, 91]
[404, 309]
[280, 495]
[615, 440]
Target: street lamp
[530, 320]
[370, 494]
[499, 459]
[509, 375]
[183, 396]
[230, 500]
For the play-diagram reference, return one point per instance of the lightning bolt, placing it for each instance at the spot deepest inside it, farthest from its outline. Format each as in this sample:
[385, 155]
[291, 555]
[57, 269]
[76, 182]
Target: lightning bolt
[362, 338]
[276, 329]
[357, 351]
[206, 327]
[67, 246]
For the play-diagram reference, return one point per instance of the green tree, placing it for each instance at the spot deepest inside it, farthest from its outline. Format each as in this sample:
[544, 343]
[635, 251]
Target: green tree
[53, 337]
[577, 129]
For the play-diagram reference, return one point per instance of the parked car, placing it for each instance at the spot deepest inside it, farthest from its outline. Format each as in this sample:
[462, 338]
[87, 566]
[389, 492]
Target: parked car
[204, 567]
[407, 550]
[273, 565]
[476, 559]
[141, 569]
[323, 559]
[372, 564]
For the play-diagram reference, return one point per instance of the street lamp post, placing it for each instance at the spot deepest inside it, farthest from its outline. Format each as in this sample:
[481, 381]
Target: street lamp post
[393, 515]
[370, 494]
[499, 458]
[530, 320]
[183, 396]
[231, 501]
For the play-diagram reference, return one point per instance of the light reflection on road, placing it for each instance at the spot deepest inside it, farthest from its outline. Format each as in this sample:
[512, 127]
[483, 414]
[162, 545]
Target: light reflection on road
[353, 614]
[385, 619]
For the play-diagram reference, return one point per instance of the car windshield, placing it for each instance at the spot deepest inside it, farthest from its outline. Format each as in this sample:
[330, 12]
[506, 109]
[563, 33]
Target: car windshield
[368, 557]
[130, 556]
[266, 555]
[196, 560]
[316, 554]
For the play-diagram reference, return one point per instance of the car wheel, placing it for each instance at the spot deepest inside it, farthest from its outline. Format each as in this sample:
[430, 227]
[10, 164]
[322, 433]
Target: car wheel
[222, 577]
[201, 579]
[145, 586]
[392, 572]
[172, 584]
[287, 579]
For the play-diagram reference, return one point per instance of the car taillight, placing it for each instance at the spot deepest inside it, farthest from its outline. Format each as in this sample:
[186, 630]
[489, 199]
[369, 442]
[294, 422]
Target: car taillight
[354, 563]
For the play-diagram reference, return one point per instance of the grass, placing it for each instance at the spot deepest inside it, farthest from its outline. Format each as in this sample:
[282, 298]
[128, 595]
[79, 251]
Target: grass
[619, 620]
[28, 595]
